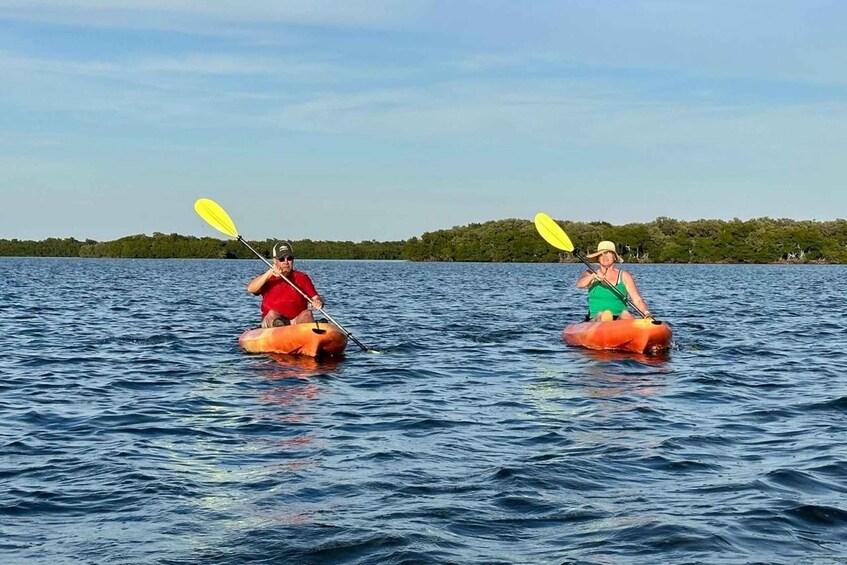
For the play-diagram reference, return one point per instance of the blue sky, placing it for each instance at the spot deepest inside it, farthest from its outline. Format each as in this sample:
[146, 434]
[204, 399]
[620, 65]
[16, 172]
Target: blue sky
[385, 119]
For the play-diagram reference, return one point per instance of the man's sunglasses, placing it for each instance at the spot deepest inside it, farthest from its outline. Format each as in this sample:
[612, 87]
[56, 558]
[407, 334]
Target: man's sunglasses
[287, 258]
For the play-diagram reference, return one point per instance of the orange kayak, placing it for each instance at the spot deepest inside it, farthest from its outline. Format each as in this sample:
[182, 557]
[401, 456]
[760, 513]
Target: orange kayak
[315, 340]
[635, 335]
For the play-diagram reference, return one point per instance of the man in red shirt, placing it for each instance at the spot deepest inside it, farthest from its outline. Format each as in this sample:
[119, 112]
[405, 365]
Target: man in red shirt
[281, 303]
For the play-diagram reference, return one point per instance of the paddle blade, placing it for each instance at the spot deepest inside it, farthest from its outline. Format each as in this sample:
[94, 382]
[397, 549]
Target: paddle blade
[552, 233]
[215, 216]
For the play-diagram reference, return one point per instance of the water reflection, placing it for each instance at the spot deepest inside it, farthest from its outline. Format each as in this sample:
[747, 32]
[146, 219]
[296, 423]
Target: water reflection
[306, 373]
[298, 384]
[657, 360]
[566, 391]
[300, 366]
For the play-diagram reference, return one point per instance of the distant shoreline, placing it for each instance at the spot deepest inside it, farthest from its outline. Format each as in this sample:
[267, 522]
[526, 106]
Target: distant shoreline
[576, 262]
[663, 241]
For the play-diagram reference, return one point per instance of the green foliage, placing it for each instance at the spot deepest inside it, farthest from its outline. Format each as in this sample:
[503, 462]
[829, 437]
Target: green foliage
[664, 240]
[161, 246]
[50, 247]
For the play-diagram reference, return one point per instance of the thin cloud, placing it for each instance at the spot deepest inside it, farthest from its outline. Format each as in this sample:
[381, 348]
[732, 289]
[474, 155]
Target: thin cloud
[119, 13]
[185, 64]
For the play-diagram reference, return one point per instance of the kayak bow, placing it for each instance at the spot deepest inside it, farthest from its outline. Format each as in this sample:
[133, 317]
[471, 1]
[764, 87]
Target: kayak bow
[632, 334]
[313, 339]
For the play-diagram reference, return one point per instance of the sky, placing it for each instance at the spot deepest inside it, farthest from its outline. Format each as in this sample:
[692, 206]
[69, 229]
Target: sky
[384, 119]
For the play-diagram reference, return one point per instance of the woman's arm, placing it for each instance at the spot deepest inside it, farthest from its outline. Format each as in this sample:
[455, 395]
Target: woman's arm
[634, 295]
[587, 279]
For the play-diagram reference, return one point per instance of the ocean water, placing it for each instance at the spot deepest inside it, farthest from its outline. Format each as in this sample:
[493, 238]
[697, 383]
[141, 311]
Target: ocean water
[133, 429]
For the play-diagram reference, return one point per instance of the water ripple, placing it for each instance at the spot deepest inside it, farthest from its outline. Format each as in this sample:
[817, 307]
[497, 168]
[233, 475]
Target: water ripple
[133, 429]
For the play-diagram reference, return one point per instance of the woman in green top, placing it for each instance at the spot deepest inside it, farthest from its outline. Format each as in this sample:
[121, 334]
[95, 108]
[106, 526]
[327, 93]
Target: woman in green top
[603, 303]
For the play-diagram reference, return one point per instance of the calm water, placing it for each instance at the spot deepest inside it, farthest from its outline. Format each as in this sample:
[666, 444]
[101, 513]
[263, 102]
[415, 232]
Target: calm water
[133, 430]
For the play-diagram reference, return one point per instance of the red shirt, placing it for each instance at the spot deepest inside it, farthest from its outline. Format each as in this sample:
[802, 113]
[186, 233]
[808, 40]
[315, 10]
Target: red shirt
[280, 296]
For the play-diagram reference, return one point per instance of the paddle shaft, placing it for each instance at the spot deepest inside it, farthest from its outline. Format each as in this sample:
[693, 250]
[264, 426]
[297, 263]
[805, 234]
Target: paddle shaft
[608, 284]
[321, 310]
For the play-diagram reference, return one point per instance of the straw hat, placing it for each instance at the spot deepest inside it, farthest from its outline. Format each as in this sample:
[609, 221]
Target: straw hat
[604, 246]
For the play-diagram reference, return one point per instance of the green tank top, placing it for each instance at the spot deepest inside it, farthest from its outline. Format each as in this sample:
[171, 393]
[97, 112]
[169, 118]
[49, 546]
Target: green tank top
[601, 297]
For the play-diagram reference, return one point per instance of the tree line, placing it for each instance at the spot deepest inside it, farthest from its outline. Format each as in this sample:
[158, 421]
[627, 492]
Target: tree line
[664, 240]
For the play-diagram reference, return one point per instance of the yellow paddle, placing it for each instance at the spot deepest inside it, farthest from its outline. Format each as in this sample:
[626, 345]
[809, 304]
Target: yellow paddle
[556, 236]
[217, 217]
[553, 234]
